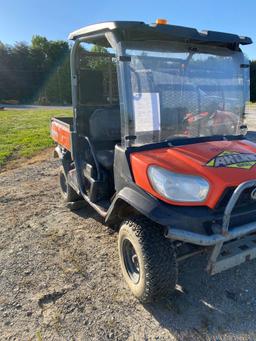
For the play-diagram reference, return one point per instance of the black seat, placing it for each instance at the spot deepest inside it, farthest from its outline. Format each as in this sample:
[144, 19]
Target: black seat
[105, 132]
[106, 158]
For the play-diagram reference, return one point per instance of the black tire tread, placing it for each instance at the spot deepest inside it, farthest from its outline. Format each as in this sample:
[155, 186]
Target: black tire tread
[70, 195]
[159, 257]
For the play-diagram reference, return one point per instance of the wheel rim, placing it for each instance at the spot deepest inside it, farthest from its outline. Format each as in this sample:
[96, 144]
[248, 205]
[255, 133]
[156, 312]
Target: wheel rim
[63, 183]
[131, 261]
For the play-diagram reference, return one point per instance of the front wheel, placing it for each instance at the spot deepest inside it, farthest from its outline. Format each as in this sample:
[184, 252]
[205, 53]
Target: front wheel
[148, 260]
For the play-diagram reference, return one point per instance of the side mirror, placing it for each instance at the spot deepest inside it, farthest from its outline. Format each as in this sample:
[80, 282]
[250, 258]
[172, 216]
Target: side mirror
[243, 129]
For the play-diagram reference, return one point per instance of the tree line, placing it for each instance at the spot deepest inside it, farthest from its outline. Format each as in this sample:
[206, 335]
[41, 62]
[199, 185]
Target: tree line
[40, 72]
[35, 73]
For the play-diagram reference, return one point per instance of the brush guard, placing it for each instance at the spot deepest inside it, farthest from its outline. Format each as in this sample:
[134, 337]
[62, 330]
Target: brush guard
[241, 244]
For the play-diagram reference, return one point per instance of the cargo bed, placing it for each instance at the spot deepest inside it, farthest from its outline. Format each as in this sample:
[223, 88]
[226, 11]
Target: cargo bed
[60, 131]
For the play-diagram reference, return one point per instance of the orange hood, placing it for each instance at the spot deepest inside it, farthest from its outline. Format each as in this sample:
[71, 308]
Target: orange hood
[222, 163]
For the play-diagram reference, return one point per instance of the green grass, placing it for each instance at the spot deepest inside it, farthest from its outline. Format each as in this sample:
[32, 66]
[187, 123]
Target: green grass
[23, 133]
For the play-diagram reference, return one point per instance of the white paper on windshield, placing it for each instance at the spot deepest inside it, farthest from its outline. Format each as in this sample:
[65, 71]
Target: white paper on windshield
[146, 107]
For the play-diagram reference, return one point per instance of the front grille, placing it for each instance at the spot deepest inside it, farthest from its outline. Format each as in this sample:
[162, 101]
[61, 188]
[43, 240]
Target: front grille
[244, 199]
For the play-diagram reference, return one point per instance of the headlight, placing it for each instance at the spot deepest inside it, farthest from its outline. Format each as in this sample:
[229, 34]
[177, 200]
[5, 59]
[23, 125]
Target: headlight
[178, 187]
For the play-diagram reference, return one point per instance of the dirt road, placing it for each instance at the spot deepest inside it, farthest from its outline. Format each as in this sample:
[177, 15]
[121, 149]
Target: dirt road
[60, 277]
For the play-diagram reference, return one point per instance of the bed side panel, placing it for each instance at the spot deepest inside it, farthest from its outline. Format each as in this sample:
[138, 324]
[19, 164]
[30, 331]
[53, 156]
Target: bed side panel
[60, 133]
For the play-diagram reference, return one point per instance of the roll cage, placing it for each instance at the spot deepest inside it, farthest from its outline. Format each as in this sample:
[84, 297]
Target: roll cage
[116, 34]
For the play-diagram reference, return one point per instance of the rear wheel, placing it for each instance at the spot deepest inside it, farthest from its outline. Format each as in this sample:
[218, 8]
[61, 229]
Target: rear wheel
[67, 192]
[148, 260]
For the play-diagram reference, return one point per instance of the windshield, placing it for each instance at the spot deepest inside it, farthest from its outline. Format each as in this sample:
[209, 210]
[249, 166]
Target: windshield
[185, 91]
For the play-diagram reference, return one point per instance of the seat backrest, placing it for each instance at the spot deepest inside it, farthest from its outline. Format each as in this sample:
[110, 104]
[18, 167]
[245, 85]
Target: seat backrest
[105, 125]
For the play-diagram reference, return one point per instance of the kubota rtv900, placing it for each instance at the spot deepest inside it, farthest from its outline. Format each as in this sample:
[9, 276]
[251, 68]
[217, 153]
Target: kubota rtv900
[156, 146]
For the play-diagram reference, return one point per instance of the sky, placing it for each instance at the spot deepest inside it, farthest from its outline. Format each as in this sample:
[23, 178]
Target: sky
[55, 19]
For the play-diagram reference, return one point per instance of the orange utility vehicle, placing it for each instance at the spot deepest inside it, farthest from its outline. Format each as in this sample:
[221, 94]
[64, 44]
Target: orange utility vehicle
[157, 147]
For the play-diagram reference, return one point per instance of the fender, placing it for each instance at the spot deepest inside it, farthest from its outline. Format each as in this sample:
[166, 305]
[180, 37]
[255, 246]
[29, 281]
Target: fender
[198, 219]
[135, 198]
[155, 210]
[58, 153]
[64, 156]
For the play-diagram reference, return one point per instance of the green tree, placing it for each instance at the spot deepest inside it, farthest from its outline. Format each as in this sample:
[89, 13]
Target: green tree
[29, 73]
[98, 62]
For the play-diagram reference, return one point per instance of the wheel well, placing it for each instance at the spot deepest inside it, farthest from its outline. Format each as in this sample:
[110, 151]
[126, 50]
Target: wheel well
[62, 153]
[121, 211]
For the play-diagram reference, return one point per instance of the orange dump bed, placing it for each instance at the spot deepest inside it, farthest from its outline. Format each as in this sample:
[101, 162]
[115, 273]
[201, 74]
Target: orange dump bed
[60, 131]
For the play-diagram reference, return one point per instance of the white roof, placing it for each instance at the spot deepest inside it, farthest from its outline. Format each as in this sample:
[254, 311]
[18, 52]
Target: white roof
[104, 26]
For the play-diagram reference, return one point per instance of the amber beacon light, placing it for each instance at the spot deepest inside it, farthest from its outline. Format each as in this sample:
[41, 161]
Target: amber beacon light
[161, 21]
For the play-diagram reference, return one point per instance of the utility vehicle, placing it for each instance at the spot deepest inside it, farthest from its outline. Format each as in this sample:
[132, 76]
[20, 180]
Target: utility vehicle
[157, 147]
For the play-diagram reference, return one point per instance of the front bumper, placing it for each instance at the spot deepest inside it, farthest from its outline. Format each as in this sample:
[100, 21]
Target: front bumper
[225, 232]
[203, 240]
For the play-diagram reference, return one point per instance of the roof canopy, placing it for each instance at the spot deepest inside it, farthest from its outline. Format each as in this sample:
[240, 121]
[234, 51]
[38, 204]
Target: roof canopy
[139, 31]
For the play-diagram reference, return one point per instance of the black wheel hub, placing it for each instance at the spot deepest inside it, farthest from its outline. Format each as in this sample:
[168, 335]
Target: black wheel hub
[131, 261]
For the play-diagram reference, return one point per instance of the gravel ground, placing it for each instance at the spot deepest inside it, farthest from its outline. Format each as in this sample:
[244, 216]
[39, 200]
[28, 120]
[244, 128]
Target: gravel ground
[60, 277]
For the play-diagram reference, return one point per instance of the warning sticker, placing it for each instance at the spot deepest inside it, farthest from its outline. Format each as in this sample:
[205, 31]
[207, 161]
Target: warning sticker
[231, 159]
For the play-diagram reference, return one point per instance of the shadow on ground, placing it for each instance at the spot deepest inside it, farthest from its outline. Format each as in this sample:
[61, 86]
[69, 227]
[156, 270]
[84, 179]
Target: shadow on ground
[214, 306]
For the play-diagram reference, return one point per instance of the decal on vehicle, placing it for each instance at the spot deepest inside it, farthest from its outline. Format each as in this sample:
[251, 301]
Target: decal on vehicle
[231, 159]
